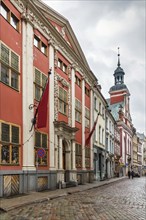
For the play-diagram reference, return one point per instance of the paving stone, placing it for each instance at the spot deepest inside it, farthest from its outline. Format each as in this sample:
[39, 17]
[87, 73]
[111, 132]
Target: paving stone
[122, 200]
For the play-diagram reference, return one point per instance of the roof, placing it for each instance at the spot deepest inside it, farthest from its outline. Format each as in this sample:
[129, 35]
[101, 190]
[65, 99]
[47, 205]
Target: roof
[119, 87]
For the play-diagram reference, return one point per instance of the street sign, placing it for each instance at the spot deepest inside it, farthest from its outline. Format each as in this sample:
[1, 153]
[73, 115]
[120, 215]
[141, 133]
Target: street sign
[41, 152]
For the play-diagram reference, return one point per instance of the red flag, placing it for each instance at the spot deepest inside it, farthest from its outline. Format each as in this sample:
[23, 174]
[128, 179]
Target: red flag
[91, 132]
[42, 109]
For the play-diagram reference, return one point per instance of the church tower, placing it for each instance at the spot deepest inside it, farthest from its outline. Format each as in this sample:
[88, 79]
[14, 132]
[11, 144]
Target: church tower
[119, 90]
[119, 106]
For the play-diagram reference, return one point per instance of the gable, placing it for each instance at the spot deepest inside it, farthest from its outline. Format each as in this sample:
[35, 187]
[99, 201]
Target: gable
[62, 26]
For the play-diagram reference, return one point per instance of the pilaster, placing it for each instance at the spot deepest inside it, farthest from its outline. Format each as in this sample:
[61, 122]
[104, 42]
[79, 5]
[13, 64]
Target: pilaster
[83, 123]
[27, 95]
[51, 108]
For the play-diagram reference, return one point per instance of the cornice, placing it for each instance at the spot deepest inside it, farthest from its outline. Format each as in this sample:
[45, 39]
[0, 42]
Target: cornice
[123, 125]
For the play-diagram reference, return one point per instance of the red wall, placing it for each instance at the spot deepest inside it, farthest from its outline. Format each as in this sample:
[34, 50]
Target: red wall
[10, 99]
[116, 99]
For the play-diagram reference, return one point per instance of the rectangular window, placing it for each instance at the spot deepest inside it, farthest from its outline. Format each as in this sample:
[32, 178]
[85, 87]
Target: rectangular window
[100, 134]
[41, 142]
[9, 144]
[14, 22]
[103, 111]
[63, 101]
[5, 54]
[78, 81]
[87, 157]
[40, 45]
[78, 110]
[4, 11]
[59, 63]
[78, 154]
[95, 103]
[40, 82]
[64, 68]
[100, 108]
[87, 117]
[4, 74]
[9, 16]
[14, 61]
[36, 41]
[87, 91]
[14, 80]
[44, 48]
[9, 73]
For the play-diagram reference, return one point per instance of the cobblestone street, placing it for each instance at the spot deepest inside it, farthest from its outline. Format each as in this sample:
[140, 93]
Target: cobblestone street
[122, 200]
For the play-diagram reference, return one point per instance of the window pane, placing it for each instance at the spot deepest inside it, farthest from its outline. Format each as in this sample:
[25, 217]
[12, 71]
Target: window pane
[15, 155]
[4, 74]
[14, 61]
[37, 93]
[15, 134]
[14, 21]
[60, 93]
[64, 68]
[4, 54]
[65, 96]
[44, 140]
[5, 154]
[60, 106]
[43, 48]
[14, 80]
[37, 77]
[4, 11]
[65, 109]
[44, 79]
[5, 135]
[37, 139]
[36, 41]
[59, 63]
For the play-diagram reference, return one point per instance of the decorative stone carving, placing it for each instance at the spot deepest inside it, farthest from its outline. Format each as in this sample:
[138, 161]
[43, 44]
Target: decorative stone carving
[19, 5]
[57, 79]
[69, 71]
[56, 94]
[63, 81]
[63, 32]
[55, 59]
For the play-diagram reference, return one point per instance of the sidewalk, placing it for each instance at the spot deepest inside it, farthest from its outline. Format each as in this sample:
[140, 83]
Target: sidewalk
[7, 204]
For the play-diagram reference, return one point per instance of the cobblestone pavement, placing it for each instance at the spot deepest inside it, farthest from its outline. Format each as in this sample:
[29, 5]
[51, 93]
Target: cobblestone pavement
[124, 200]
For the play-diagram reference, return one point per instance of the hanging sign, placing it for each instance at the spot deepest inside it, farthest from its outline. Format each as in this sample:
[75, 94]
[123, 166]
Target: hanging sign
[41, 152]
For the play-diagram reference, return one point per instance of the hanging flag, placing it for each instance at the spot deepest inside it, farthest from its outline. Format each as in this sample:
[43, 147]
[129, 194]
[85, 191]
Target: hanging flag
[42, 108]
[91, 132]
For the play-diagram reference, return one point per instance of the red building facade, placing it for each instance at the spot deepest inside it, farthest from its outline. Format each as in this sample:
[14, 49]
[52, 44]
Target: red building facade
[42, 41]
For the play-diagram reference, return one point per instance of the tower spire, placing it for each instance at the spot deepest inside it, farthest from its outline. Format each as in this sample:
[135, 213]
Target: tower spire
[118, 57]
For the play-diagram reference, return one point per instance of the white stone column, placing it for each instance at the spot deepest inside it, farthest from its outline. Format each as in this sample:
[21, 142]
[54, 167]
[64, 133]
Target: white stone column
[73, 116]
[83, 124]
[73, 95]
[92, 119]
[56, 151]
[73, 155]
[60, 153]
[27, 95]
[51, 108]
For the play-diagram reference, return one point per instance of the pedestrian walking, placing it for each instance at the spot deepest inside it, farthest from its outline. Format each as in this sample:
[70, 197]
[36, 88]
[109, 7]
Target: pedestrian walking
[132, 174]
[129, 174]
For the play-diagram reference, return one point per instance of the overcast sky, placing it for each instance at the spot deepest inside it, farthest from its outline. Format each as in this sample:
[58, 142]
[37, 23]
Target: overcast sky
[103, 26]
